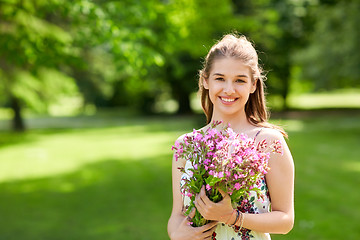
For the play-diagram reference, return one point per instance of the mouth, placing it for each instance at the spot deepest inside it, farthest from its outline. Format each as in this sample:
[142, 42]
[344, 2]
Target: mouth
[228, 100]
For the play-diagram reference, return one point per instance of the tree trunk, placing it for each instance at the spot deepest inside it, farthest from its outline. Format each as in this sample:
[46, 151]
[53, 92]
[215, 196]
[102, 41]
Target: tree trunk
[184, 103]
[285, 93]
[17, 121]
[285, 75]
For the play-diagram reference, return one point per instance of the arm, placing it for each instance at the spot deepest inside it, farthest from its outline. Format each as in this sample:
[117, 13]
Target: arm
[178, 224]
[280, 181]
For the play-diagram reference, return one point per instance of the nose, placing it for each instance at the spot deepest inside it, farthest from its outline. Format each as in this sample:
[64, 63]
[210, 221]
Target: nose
[229, 88]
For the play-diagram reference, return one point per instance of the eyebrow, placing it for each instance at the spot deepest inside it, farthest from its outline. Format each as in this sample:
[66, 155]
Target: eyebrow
[219, 74]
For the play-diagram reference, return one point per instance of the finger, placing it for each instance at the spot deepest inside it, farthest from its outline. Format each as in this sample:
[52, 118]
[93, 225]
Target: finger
[191, 215]
[199, 206]
[223, 194]
[208, 234]
[199, 202]
[210, 226]
[204, 198]
[201, 194]
[202, 202]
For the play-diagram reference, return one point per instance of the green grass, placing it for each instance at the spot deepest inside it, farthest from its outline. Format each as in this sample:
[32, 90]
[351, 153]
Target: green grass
[109, 177]
[336, 99]
[326, 154]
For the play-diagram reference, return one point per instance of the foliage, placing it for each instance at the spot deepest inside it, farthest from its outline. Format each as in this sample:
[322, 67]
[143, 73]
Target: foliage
[331, 59]
[137, 53]
[32, 48]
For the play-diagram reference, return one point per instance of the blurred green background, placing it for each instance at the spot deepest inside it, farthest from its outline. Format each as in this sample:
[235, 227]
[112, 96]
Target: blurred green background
[94, 93]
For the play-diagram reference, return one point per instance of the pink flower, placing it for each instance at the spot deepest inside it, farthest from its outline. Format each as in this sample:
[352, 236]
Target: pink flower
[237, 186]
[220, 175]
[207, 161]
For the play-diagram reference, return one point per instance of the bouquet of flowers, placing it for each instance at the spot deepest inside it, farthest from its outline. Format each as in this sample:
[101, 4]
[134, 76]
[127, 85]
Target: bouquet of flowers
[222, 159]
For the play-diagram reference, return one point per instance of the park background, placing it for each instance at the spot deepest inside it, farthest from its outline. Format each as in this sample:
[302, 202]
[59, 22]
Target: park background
[94, 93]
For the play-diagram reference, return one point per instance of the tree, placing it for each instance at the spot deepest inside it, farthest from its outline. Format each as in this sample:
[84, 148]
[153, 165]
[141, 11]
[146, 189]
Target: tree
[32, 50]
[283, 29]
[135, 41]
[195, 25]
[278, 28]
[331, 60]
[111, 54]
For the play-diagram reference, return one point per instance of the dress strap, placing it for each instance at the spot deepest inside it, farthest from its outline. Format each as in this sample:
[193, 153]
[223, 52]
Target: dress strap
[258, 133]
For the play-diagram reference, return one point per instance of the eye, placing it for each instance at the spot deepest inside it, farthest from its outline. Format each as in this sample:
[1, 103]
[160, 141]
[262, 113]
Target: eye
[240, 80]
[219, 79]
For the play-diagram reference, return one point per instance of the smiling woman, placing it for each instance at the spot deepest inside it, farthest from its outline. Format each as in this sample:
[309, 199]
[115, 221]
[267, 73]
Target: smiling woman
[231, 85]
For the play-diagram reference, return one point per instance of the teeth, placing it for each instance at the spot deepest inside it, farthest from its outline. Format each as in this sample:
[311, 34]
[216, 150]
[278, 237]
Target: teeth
[228, 99]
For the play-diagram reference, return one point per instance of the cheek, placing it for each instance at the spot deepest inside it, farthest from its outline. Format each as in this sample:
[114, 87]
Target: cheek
[245, 93]
[212, 95]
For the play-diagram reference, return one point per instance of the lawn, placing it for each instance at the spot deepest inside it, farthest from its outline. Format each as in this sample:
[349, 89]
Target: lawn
[109, 178]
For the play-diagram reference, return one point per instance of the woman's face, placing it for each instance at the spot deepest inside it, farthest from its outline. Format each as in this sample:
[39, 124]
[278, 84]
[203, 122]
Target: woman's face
[229, 86]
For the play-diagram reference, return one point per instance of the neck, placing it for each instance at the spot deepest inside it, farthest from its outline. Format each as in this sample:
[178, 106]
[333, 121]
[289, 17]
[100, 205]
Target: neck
[238, 122]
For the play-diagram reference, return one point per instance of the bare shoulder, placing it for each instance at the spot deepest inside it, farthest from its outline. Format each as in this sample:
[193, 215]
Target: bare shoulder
[180, 139]
[271, 134]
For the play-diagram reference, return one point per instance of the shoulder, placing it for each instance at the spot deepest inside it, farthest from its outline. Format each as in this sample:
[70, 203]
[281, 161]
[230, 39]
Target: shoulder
[283, 160]
[274, 136]
[180, 139]
[270, 134]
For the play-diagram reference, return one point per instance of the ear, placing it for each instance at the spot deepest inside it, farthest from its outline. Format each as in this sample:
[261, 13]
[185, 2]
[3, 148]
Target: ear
[205, 83]
[253, 86]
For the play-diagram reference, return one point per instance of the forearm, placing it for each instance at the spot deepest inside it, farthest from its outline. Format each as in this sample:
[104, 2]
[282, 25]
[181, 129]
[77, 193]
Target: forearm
[277, 222]
[173, 223]
[272, 222]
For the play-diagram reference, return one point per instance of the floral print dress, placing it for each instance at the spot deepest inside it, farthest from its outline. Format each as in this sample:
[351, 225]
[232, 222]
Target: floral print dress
[253, 204]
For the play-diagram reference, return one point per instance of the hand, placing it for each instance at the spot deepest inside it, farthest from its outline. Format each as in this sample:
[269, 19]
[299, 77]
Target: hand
[220, 211]
[186, 232]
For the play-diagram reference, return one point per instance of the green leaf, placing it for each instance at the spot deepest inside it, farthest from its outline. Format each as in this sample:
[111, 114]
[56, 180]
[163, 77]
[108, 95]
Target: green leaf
[235, 197]
[212, 180]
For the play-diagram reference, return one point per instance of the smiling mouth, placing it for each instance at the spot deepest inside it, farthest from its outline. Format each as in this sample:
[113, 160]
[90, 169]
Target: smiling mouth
[228, 100]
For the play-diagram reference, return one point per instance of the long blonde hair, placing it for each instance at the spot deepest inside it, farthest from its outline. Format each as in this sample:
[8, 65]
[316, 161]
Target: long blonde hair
[238, 47]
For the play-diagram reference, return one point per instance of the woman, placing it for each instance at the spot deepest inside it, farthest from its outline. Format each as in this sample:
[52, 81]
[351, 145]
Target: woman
[231, 85]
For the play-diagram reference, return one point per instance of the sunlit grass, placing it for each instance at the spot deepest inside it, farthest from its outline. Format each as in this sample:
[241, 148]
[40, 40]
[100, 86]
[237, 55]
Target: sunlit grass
[92, 183]
[56, 152]
[113, 180]
[42, 153]
[337, 99]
